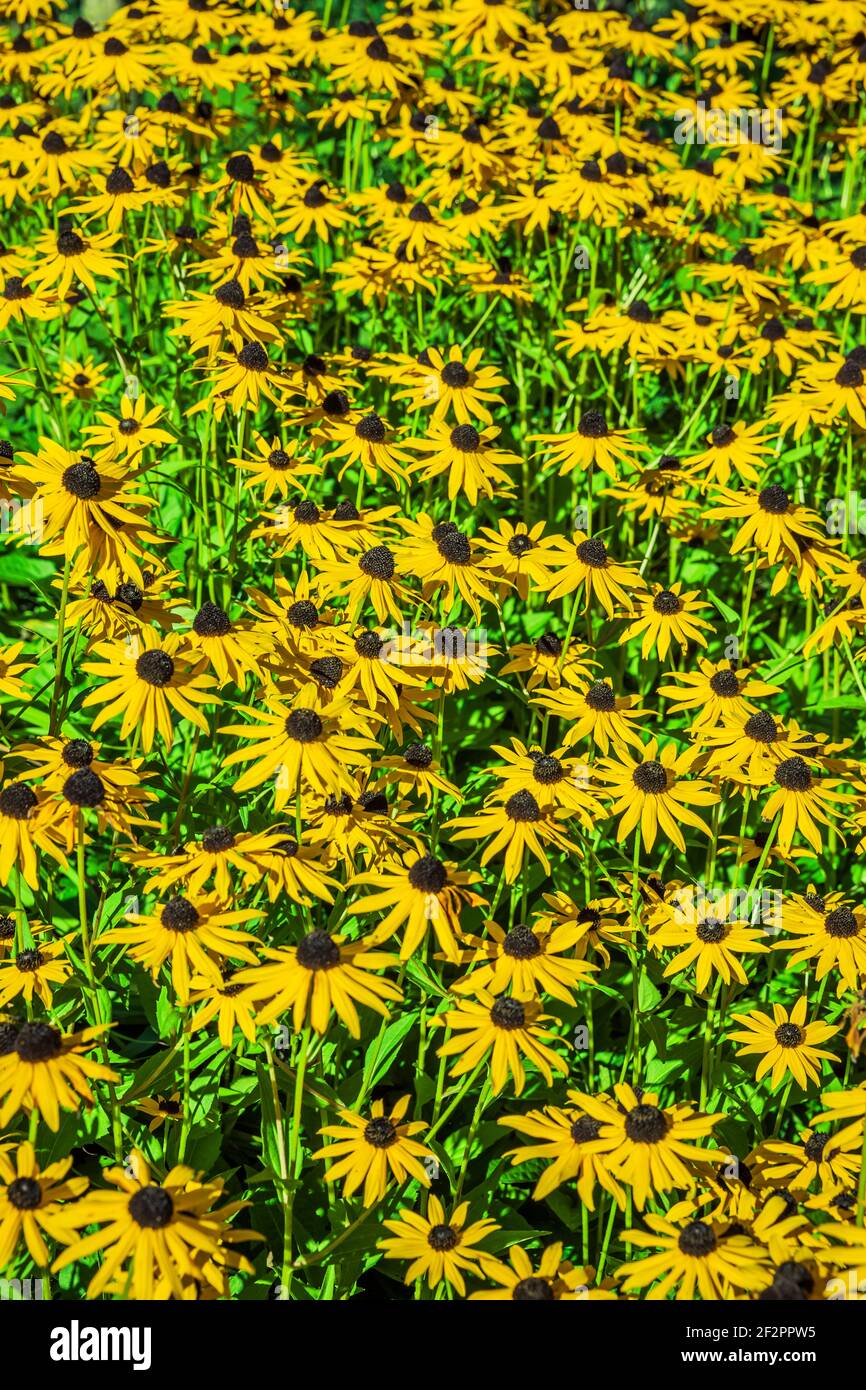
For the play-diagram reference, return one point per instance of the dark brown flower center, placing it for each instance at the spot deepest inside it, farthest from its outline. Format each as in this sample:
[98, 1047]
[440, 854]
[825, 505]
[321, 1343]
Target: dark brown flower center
[841, 922]
[218, 839]
[646, 1124]
[82, 480]
[428, 875]
[667, 603]
[814, 1147]
[253, 358]
[303, 725]
[179, 915]
[697, 1240]
[454, 374]
[155, 667]
[211, 621]
[442, 1238]
[378, 563]
[585, 1129]
[318, 951]
[371, 429]
[533, 1290]
[380, 1133]
[466, 438]
[774, 499]
[793, 775]
[592, 425]
[25, 1194]
[418, 755]
[38, 1042]
[84, 788]
[592, 552]
[521, 943]
[151, 1207]
[17, 801]
[522, 806]
[725, 683]
[650, 777]
[546, 769]
[508, 1014]
[761, 727]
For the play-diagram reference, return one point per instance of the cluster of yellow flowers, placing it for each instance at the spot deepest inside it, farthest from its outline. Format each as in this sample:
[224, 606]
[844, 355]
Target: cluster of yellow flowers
[415, 424]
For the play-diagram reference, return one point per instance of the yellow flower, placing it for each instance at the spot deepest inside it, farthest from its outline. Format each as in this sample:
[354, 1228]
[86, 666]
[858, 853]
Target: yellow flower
[369, 1152]
[786, 1043]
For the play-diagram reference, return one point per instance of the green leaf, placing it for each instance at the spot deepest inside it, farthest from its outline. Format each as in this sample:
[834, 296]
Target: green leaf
[728, 613]
[383, 1050]
[22, 568]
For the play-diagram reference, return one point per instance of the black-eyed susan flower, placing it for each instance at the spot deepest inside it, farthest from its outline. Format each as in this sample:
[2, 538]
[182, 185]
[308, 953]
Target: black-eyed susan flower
[599, 923]
[371, 577]
[194, 937]
[423, 892]
[831, 935]
[441, 1248]
[566, 1140]
[447, 563]
[694, 1256]
[503, 1032]
[220, 853]
[518, 826]
[136, 428]
[596, 713]
[68, 255]
[553, 1280]
[153, 1231]
[245, 376]
[46, 1070]
[816, 1159]
[748, 747]
[161, 1110]
[585, 563]
[655, 1148]
[651, 791]
[714, 691]
[524, 960]
[593, 442]
[771, 522]
[452, 386]
[276, 466]
[227, 1002]
[232, 648]
[547, 661]
[145, 679]
[33, 970]
[228, 317]
[26, 828]
[36, 1202]
[469, 458]
[321, 973]
[667, 615]
[414, 770]
[786, 1043]
[303, 741]
[300, 871]
[370, 1151]
[553, 779]
[734, 448]
[707, 936]
[803, 800]
[85, 504]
